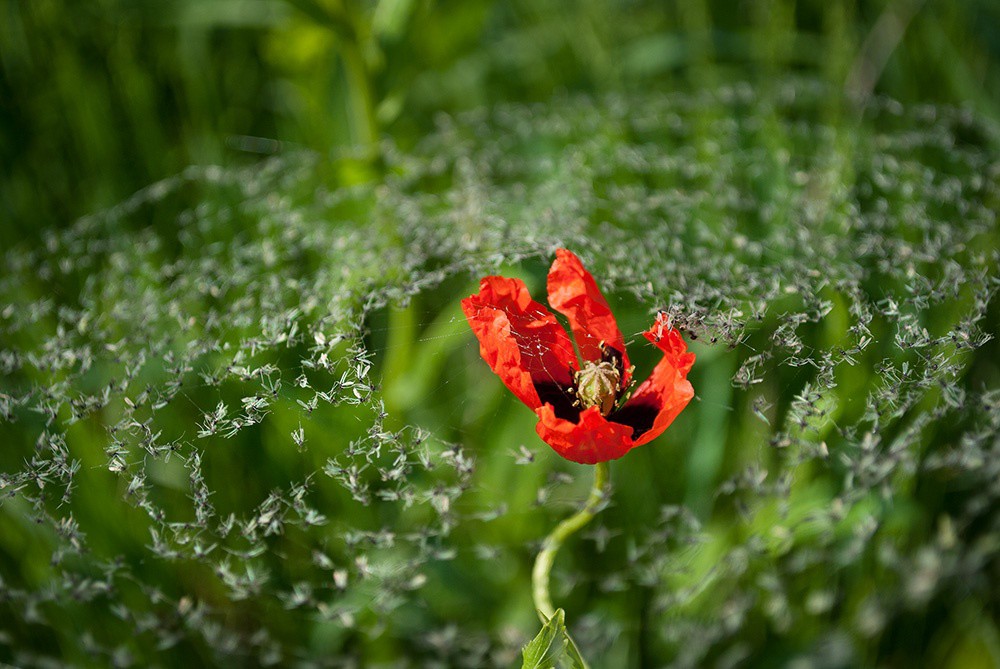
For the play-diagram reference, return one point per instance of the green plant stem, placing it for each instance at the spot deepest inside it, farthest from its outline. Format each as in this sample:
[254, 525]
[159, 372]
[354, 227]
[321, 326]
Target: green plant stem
[365, 125]
[562, 531]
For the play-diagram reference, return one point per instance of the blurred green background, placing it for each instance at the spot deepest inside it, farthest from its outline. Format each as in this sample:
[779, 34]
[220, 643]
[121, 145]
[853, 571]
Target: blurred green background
[99, 99]
[749, 546]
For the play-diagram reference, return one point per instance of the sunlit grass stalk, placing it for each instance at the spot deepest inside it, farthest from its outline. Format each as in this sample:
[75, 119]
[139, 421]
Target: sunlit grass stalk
[565, 529]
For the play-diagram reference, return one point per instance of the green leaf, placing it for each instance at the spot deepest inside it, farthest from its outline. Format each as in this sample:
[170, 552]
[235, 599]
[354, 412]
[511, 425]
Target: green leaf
[573, 653]
[546, 649]
[390, 18]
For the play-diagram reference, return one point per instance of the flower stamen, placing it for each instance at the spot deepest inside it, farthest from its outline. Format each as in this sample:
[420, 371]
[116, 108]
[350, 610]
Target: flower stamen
[597, 385]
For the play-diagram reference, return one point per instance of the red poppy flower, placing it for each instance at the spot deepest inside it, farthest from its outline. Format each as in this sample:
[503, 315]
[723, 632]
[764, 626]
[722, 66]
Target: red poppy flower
[584, 410]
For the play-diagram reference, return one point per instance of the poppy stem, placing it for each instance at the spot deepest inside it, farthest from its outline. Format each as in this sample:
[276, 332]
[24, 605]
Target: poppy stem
[562, 531]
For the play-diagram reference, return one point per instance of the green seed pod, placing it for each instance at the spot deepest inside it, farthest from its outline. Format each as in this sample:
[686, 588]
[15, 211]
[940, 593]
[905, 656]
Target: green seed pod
[597, 385]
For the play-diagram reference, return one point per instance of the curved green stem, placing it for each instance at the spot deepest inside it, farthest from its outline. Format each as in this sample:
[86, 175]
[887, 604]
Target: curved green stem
[562, 531]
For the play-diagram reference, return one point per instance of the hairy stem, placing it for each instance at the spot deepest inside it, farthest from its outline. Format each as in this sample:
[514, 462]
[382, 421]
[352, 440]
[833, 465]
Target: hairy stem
[562, 531]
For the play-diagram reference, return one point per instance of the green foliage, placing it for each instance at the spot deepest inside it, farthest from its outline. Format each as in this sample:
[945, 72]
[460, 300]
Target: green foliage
[244, 422]
[136, 91]
[264, 435]
[553, 647]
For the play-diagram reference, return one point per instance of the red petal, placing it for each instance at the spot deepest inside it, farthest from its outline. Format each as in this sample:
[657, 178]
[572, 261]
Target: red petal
[667, 391]
[519, 338]
[574, 293]
[591, 440]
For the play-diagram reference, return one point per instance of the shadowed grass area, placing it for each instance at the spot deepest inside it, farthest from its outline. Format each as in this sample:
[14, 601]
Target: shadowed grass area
[99, 102]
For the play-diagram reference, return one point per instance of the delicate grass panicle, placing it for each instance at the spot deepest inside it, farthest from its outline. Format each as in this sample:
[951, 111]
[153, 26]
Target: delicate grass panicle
[264, 436]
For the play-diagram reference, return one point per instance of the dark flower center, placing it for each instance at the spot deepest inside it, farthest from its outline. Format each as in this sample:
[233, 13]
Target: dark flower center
[598, 384]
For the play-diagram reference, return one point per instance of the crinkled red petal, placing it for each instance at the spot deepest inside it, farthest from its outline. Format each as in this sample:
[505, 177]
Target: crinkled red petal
[591, 440]
[667, 390]
[574, 293]
[519, 338]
